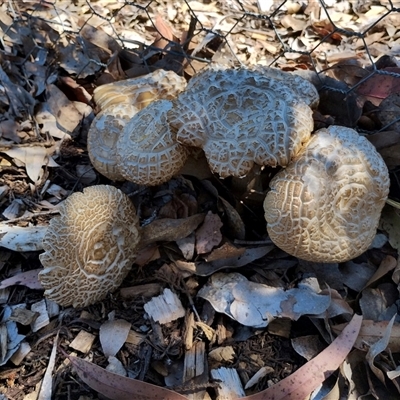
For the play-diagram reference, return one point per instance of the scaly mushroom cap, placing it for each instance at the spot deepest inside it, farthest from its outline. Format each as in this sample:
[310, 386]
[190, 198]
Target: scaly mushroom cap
[140, 91]
[119, 102]
[147, 152]
[241, 117]
[90, 247]
[103, 135]
[300, 86]
[326, 204]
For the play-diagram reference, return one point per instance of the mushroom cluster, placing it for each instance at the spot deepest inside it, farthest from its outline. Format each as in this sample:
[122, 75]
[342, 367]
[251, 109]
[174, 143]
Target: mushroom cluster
[238, 117]
[326, 202]
[324, 205]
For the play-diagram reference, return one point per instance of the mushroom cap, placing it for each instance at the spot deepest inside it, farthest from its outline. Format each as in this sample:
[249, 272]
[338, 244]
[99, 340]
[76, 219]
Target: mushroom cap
[326, 204]
[147, 151]
[140, 91]
[119, 102]
[90, 247]
[103, 135]
[300, 86]
[241, 117]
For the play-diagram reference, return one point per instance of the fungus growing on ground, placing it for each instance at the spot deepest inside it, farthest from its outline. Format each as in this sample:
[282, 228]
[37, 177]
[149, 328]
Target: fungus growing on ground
[103, 136]
[140, 91]
[147, 150]
[90, 247]
[326, 204]
[119, 102]
[241, 117]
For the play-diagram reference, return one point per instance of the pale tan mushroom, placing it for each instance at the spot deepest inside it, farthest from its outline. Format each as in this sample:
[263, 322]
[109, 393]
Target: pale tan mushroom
[90, 247]
[326, 204]
[140, 91]
[147, 151]
[103, 135]
[119, 102]
[241, 118]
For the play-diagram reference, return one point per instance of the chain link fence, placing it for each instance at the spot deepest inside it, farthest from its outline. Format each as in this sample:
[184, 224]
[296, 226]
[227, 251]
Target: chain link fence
[349, 49]
[350, 40]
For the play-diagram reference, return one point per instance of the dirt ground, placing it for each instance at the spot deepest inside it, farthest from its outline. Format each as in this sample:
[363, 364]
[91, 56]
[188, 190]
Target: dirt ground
[177, 321]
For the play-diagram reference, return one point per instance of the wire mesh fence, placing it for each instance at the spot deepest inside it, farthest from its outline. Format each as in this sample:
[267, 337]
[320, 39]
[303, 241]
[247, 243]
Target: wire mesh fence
[312, 35]
[349, 49]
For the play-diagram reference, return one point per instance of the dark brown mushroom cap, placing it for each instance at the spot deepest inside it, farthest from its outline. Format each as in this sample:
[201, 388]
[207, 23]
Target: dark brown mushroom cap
[241, 117]
[326, 204]
[90, 247]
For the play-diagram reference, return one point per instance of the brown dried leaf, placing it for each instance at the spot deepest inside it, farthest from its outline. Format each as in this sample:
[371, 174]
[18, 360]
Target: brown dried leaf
[164, 33]
[389, 111]
[27, 278]
[390, 222]
[301, 383]
[371, 332]
[209, 234]
[99, 37]
[170, 229]
[378, 87]
[67, 115]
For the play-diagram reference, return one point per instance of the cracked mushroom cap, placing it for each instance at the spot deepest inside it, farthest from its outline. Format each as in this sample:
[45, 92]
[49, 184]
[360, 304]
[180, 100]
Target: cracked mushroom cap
[302, 87]
[147, 151]
[103, 135]
[326, 204]
[90, 247]
[140, 91]
[119, 102]
[241, 118]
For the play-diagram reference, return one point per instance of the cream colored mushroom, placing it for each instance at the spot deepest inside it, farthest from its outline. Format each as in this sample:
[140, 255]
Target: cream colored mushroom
[103, 135]
[147, 151]
[90, 247]
[241, 118]
[119, 102]
[326, 204]
[140, 91]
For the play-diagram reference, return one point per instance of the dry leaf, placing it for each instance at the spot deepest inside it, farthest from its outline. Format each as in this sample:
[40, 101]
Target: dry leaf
[170, 229]
[390, 222]
[209, 234]
[34, 157]
[67, 115]
[27, 278]
[113, 335]
[117, 387]
[371, 332]
[378, 347]
[255, 304]
[17, 238]
[307, 378]
[46, 389]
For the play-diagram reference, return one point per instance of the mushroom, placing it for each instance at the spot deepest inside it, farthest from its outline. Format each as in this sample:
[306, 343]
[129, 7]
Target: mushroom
[140, 91]
[103, 135]
[326, 204]
[119, 102]
[90, 247]
[147, 151]
[241, 117]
